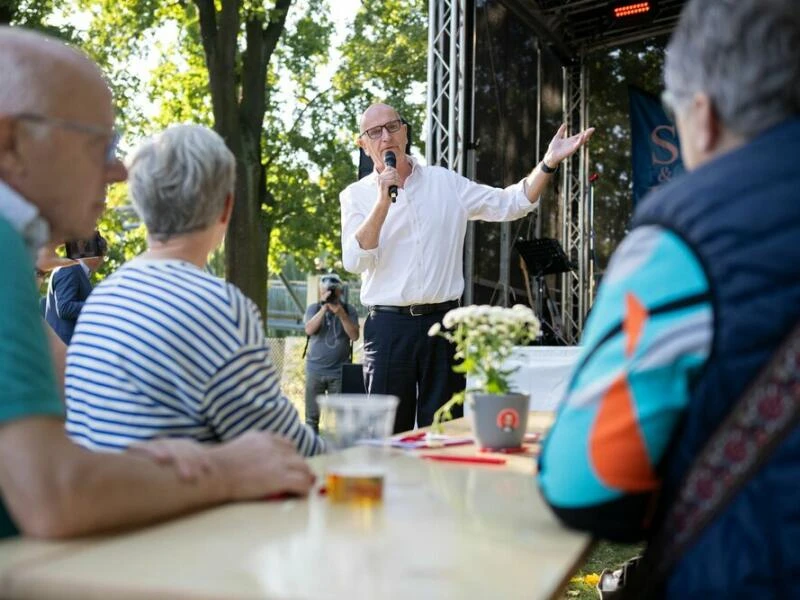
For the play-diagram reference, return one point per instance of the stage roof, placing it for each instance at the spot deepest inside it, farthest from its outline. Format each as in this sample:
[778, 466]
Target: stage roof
[575, 26]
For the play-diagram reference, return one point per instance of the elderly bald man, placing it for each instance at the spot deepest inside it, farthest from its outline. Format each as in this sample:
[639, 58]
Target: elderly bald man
[57, 155]
[409, 252]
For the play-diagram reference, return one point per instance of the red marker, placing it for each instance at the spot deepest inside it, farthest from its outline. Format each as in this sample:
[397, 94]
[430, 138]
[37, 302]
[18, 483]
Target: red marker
[477, 460]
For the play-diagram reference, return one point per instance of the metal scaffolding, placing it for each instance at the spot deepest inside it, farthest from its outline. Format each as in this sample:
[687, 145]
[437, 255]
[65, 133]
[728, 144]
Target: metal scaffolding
[446, 78]
[575, 285]
[448, 121]
[570, 28]
[449, 75]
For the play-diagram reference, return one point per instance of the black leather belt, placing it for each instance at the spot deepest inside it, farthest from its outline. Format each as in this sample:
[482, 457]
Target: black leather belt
[416, 310]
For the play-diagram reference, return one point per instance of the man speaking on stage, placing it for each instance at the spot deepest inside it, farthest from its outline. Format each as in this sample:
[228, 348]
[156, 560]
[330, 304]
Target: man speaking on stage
[403, 229]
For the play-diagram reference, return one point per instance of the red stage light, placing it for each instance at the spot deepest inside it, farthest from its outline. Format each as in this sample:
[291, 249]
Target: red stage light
[629, 10]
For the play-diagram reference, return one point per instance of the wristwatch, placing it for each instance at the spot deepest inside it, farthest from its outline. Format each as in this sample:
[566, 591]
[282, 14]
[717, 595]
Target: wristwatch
[547, 169]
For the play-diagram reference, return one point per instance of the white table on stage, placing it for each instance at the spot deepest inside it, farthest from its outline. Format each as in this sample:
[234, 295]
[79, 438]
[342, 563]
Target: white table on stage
[543, 372]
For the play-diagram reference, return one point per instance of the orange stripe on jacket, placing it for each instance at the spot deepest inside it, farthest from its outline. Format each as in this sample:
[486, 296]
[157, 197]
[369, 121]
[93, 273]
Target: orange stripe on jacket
[635, 318]
[616, 445]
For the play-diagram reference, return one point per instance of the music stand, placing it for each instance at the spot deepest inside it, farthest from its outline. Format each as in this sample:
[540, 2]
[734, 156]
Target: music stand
[545, 256]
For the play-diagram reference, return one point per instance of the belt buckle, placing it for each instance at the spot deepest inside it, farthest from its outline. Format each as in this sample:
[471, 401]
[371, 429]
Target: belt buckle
[412, 313]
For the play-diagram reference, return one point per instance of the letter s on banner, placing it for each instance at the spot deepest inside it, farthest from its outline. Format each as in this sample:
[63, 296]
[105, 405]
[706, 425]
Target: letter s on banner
[666, 143]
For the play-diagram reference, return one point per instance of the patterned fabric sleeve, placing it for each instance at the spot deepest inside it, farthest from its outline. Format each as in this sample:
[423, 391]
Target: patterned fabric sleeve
[649, 331]
[245, 392]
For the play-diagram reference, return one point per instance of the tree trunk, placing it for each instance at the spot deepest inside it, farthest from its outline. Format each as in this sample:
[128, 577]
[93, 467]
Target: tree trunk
[238, 97]
[246, 243]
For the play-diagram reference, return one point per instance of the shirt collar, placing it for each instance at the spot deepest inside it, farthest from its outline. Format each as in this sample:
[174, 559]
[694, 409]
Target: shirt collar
[84, 267]
[24, 218]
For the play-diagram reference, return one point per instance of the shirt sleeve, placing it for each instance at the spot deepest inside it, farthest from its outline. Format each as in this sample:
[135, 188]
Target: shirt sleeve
[354, 258]
[485, 203]
[26, 367]
[245, 394]
[649, 332]
[311, 310]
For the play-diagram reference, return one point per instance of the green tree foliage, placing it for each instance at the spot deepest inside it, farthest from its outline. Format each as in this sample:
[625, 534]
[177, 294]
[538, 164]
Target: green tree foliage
[34, 15]
[121, 229]
[610, 73]
[295, 159]
[385, 59]
[215, 63]
[252, 71]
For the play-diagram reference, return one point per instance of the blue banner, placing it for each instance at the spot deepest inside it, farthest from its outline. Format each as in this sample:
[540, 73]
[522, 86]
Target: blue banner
[655, 149]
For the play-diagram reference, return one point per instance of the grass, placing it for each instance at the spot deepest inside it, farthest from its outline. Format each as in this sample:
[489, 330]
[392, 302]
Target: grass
[604, 555]
[293, 376]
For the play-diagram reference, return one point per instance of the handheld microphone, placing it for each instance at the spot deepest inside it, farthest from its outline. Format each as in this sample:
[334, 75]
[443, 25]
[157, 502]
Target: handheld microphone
[390, 160]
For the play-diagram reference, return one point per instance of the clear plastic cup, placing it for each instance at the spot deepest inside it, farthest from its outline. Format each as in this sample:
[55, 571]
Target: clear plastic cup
[350, 420]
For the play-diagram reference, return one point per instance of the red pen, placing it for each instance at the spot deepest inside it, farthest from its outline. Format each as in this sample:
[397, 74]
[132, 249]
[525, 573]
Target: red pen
[478, 460]
[413, 437]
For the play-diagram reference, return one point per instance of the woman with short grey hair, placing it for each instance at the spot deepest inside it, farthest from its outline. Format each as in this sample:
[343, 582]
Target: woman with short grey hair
[163, 348]
[180, 181]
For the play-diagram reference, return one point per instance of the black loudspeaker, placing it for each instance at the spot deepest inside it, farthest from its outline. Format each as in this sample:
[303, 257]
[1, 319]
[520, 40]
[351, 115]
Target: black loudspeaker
[353, 379]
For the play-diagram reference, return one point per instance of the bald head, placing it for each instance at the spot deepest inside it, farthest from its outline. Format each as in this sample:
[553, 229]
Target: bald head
[56, 131]
[380, 110]
[36, 71]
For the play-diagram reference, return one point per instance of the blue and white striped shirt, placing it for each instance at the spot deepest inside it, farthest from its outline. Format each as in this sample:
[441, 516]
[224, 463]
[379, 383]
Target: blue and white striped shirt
[164, 349]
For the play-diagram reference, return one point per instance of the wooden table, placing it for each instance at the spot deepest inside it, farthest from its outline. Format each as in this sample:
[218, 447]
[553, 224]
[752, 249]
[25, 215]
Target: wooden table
[442, 531]
[538, 423]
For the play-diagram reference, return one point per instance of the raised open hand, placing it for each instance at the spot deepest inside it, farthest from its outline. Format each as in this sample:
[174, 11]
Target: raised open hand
[561, 146]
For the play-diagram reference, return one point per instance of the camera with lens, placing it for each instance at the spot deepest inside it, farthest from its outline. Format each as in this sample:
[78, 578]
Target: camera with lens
[330, 283]
[88, 248]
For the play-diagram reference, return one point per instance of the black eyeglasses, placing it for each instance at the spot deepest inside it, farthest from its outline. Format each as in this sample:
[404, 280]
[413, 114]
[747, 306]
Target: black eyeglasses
[112, 136]
[374, 133]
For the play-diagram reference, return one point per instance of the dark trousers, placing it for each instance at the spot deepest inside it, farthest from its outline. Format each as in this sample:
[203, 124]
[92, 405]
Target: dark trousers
[316, 385]
[402, 360]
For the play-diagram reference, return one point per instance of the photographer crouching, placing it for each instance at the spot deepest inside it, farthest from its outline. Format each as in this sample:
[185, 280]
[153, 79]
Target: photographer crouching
[331, 326]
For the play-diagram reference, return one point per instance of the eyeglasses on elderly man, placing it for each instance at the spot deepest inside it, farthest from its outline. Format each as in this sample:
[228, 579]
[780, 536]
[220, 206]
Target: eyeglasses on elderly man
[112, 136]
[374, 133]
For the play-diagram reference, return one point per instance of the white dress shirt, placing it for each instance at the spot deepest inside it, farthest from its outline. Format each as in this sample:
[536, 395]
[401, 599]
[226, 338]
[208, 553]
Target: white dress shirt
[419, 258]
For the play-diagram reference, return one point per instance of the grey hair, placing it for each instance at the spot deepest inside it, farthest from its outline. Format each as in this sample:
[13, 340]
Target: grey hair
[745, 54]
[179, 179]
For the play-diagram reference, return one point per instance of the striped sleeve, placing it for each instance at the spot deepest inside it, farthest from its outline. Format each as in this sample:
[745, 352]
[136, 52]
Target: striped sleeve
[245, 394]
[649, 333]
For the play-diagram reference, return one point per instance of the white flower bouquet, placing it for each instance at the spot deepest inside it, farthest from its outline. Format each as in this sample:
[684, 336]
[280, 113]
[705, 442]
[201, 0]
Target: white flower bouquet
[484, 337]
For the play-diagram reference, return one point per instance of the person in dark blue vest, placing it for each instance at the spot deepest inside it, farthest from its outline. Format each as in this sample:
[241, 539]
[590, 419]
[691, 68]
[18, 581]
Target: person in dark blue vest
[695, 301]
[70, 286]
